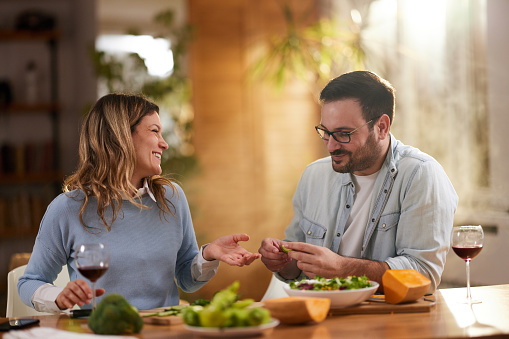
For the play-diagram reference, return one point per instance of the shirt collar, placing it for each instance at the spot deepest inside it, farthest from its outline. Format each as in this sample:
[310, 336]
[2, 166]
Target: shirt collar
[144, 190]
[390, 160]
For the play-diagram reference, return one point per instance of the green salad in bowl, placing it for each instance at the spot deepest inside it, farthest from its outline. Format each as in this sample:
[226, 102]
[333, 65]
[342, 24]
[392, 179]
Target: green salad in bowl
[324, 284]
[343, 292]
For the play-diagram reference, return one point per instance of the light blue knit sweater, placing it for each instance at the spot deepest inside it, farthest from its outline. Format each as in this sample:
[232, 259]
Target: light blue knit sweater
[150, 254]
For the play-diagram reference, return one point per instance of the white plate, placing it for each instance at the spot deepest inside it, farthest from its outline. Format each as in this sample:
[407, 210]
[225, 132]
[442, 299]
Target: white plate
[233, 331]
[338, 298]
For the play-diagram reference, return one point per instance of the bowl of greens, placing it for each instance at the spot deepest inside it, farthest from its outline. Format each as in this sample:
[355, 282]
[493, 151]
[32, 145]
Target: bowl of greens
[343, 292]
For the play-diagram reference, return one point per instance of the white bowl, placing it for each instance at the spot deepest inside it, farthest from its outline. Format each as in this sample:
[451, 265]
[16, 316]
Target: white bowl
[338, 298]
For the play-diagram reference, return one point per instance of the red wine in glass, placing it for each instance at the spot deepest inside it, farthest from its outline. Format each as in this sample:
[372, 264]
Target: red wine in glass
[467, 243]
[467, 252]
[92, 261]
[92, 273]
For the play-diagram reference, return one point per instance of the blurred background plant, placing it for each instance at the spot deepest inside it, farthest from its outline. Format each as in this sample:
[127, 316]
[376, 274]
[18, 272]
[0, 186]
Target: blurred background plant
[128, 72]
[314, 53]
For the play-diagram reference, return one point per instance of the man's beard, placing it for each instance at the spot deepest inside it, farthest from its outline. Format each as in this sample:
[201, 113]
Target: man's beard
[362, 159]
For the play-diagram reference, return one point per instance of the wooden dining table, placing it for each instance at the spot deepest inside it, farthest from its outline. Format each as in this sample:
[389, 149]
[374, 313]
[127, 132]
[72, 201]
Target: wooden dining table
[445, 317]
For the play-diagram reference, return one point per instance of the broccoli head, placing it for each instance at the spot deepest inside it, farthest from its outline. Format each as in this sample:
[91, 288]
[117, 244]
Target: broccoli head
[114, 315]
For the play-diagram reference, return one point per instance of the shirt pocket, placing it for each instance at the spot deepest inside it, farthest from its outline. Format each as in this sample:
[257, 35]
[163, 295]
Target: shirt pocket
[314, 233]
[388, 222]
[382, 244]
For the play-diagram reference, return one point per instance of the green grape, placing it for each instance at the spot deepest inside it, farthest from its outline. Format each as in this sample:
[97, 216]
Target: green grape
[190, 316]
[236, 317]
[211, 316]
[284, 249]
[225, 298]
[242, 303]
[258, 316]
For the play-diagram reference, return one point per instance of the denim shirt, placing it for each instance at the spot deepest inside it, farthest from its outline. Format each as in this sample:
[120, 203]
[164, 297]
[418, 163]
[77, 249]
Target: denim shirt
[410, 217]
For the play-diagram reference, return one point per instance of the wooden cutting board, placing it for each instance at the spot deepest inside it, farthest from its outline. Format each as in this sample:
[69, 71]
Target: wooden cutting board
[379, 306]
[155, 320]
[371, 306]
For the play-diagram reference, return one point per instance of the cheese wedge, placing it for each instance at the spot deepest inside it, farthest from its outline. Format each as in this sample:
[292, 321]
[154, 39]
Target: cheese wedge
[402, 286]
[298, 310]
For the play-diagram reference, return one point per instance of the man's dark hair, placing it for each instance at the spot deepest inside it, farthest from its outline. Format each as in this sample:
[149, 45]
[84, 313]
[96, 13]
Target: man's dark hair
[375, 95]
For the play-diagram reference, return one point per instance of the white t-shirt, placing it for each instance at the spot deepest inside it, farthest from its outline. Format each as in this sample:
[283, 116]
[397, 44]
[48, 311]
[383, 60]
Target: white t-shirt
[351, 243]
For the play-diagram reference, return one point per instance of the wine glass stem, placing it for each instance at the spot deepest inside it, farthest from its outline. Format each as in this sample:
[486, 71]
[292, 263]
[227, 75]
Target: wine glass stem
[469, 296]
[93, 295]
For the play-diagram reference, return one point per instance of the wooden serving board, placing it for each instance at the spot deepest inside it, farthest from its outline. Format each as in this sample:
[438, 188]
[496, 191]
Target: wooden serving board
[377, 307]
[155, 320]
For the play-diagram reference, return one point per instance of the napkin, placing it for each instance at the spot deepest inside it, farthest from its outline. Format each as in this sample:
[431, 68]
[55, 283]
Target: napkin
[48, 332]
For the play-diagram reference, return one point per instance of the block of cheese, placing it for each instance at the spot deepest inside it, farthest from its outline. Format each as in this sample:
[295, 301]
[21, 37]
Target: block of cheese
[298, 310]
[402, 286]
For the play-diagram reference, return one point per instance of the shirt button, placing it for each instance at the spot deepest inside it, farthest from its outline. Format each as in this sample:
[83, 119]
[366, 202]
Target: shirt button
[385, 191]
[347, 206]
[373, 220]
[309, 232]
[338, 234]
[383, 225]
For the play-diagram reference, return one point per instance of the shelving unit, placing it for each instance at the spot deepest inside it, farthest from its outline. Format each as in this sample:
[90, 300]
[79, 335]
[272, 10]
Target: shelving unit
[30, 173]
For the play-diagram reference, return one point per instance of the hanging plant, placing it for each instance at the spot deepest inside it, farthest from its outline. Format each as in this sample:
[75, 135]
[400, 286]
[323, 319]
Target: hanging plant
[313, 53]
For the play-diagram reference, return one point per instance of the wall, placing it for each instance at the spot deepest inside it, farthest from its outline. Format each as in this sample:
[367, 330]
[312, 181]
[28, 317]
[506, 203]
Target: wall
[498, 83]
[252, 144]
[135, 14]
[490, 266]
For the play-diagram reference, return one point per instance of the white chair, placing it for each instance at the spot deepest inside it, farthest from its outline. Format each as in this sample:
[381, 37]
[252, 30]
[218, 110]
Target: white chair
[15, 307]
[275, 289]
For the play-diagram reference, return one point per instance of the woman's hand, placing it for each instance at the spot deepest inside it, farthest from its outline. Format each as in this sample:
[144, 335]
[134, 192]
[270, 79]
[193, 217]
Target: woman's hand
[76, 292]
[227, 249]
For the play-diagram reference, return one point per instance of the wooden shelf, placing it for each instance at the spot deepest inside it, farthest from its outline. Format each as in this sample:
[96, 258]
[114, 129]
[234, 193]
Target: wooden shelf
[31, 170]
[19, 232]
[31, 178]
[29, 35]
[39, 107]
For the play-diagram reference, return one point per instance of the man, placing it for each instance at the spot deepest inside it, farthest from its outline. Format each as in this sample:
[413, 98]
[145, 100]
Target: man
[374, 204]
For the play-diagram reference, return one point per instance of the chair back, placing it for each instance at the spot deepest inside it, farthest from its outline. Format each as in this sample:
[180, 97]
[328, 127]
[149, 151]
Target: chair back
[15, 307]
[275, 289]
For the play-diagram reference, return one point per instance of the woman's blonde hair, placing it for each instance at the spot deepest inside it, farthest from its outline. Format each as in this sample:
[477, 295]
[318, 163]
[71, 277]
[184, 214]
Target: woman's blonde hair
[108, 159]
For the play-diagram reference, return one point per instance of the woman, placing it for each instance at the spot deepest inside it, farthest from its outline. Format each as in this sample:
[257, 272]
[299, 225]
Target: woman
[118, 197]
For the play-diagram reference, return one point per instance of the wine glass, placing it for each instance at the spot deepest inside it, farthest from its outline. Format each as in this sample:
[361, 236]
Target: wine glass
[92, 261]
[467, 242]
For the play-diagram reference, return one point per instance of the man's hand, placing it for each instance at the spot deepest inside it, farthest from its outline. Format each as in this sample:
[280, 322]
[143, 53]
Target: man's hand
[272, 255]
[317, 260]
[76, 292]
[227, 249]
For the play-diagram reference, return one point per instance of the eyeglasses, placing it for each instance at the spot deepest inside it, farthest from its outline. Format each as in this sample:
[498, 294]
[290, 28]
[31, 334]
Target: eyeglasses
[339, 136]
